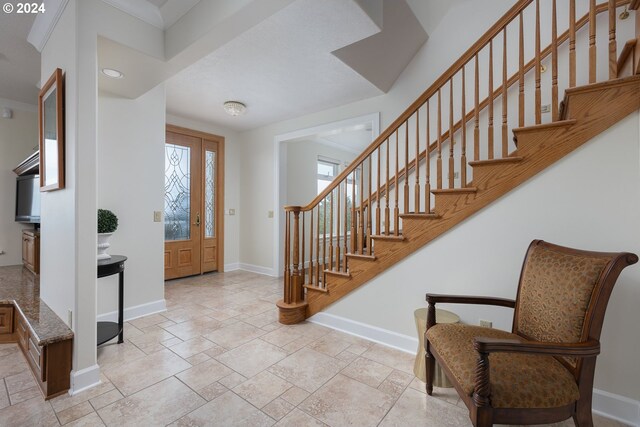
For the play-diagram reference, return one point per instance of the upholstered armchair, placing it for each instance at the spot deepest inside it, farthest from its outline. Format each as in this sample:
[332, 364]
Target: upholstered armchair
[542, 371]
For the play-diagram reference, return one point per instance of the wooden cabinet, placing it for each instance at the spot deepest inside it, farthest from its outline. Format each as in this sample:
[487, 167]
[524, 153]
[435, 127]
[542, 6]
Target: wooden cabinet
[31, 250]
[6, 323]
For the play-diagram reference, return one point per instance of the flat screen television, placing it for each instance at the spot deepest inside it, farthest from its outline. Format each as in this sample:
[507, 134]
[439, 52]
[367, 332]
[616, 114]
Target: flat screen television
[28, 199]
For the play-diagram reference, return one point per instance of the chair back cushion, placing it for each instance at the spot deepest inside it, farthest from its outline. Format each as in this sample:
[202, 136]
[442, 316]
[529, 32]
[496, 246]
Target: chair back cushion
[556, 288]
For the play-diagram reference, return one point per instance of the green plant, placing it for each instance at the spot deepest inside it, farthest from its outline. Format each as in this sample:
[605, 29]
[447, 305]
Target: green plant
[107, 221]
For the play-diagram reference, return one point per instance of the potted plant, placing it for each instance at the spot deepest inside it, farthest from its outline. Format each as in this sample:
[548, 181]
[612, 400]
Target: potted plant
[107, 224]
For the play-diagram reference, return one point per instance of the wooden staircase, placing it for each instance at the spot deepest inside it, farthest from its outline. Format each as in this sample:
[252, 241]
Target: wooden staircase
[394, 198]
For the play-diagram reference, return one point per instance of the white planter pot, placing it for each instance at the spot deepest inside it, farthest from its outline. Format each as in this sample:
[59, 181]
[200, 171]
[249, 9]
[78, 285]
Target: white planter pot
[103, 245]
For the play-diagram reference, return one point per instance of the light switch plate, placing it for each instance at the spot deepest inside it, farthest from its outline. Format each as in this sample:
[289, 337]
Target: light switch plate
[157, 216]
[270, 214]
[232, 211]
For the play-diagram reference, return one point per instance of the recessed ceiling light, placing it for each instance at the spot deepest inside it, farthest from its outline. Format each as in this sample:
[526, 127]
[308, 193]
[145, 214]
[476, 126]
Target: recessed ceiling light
[235, 108]
[114, 74]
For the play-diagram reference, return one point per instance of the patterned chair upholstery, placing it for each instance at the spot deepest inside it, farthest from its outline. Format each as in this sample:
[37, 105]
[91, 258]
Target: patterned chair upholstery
[541, 371]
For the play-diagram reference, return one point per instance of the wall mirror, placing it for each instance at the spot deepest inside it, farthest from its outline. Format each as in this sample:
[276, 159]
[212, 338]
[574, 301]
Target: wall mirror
[51, 118]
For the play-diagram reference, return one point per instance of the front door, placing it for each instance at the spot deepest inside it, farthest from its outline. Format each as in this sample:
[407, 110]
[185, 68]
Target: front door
[193, 203]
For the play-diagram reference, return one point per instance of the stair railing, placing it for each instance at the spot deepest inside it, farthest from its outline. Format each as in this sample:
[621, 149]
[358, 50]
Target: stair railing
[428, 147]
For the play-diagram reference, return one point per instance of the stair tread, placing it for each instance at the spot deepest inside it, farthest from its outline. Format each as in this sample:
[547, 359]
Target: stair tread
[399, 237]
[420, 215]
[496, 161]
[535, 128]
[362, 256]
[317, 288]
[455, 190]
[338, 273]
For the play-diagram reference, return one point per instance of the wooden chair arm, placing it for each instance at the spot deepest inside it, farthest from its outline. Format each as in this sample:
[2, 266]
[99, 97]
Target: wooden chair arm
[467, 299]
[493, 345]
[484, 346]
[432, 299]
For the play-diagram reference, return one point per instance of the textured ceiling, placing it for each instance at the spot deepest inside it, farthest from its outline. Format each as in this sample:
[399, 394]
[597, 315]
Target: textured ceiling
[19, 60]
[281, 68]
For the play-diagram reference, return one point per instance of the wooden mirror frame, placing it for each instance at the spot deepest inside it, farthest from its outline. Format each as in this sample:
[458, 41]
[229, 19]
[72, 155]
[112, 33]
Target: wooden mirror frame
[55, 81]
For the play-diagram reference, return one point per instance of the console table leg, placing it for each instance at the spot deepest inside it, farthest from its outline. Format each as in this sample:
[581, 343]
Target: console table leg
[121, 307]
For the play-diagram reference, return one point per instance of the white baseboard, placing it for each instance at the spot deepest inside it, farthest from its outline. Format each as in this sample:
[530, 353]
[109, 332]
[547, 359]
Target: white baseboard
[608, 405]
[84, 379]
[614, 406]
[136, 311]
[232, 266]
[405, 343]
[267, 271]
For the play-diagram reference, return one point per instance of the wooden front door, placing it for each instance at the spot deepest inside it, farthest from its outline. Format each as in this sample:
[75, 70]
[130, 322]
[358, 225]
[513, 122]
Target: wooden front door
[193, 203]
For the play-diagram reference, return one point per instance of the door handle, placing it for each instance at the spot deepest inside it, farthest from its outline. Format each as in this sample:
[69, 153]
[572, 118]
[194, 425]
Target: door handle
[197, 223]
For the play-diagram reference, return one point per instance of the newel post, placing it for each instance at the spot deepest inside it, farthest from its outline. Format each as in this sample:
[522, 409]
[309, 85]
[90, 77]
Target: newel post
[293, 307]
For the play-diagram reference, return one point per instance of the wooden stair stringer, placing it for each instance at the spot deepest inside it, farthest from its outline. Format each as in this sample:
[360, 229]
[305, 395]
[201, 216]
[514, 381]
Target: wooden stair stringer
[593, 110]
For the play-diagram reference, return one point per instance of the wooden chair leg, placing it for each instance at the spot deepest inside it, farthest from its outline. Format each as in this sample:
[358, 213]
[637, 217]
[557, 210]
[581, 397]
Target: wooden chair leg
[583, 416]
[430, 365]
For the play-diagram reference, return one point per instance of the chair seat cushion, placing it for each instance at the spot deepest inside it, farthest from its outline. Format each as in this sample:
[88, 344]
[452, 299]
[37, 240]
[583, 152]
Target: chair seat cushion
[517, 380]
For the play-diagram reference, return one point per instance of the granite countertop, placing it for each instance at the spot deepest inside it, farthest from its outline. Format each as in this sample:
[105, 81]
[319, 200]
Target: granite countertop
[20, 287]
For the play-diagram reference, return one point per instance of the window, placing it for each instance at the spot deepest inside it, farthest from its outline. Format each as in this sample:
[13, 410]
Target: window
[327, 171]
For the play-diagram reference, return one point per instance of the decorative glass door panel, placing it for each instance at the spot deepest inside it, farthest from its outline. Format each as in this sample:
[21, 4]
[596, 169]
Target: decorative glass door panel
[210, 206]
[182, 248]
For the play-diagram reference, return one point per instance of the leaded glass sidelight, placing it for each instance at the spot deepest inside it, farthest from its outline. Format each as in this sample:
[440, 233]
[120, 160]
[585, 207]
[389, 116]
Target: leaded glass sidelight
[209, 194]
[177, 192]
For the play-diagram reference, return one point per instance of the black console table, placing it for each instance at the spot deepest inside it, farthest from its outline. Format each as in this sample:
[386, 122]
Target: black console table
[109, 330]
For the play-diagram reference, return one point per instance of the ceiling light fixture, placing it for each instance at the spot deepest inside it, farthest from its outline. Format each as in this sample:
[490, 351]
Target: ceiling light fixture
[114, 74]
[235, 108]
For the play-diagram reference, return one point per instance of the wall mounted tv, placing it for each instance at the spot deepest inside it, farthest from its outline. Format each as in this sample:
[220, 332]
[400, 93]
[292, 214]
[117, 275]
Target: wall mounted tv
[28, 199]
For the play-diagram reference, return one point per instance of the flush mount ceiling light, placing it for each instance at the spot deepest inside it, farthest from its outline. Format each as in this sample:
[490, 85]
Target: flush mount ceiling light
[235, 108]
[114, 74]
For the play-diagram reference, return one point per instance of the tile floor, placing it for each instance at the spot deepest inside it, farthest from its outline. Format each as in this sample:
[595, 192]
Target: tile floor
[219, 357]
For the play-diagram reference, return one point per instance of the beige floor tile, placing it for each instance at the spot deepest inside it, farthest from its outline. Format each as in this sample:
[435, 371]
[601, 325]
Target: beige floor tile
[263, 319]
[8, 349]
[281, 337]
[146, 321]
[75, 412]
[307, 369]
[343, 401]
[13, 363]
[448, 394]
[197, 359]
[252, 357]
[193, 328]
[295, 395]
[149, 342]
[226, 410]
[212, 391]
[26, 394]
[391, 357]
[19, 382]
[4, 397]
[204, 374]
[91, 420]
[140, 373]
[414, 408]
[105, 399]
[418, 385]
[159, 404]
[191, 347]
[171, 342]
[278, 408]
[297, 418]
[118, 354]
[367, 371]
[33, 413]
[310, 330]
[262, 389]
[347, 356]
[234, 335]
[65, 401]
[232, 380]
[330, 345]
[395, 384]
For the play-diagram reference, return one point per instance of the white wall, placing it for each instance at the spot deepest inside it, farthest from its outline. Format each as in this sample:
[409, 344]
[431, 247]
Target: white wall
[257, 181]
[589, 200]
[131, 184]
[18, 137]
[232, 169]
[302, 171]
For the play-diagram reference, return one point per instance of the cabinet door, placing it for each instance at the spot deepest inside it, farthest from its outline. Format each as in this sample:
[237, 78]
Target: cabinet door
[6, 320]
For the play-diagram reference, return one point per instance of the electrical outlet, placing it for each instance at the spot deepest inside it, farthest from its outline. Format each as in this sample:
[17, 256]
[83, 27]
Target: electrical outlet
[232, 211]
[270, 214]
[157, 216]
[546, 108]
[486, 323]
[70, 318]
[2, 252]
